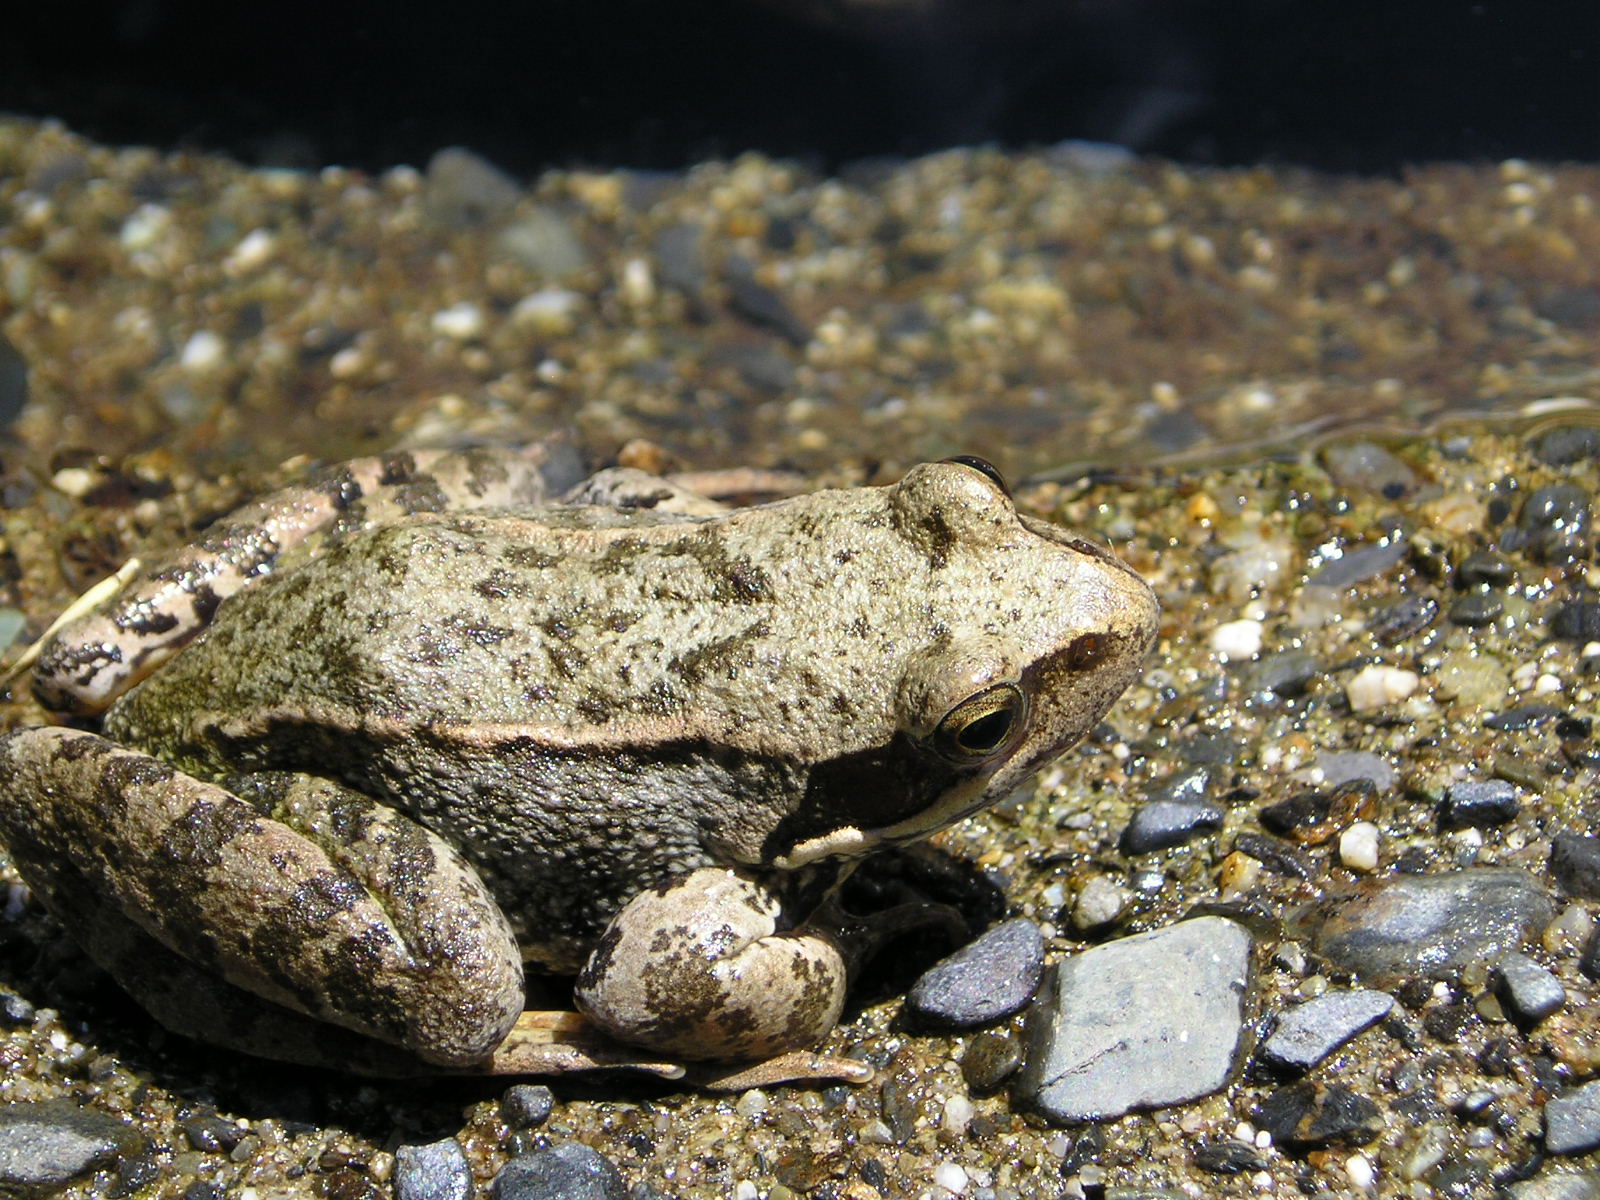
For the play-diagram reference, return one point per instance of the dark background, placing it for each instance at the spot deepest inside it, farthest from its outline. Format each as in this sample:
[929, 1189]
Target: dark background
[1366, 86]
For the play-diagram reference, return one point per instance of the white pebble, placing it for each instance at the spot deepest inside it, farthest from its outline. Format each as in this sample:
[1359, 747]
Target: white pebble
[462, 321]
[144, 228]
[745, 1190]
[255, 248]
[1377, 686]
[1546, 684]
[1361, 1172]
[1358, 846]
[950, 1177]
[203, 351]
[549, 310]
[958, 1112]
[752, 1104]
[1237, 639]
[638, 285]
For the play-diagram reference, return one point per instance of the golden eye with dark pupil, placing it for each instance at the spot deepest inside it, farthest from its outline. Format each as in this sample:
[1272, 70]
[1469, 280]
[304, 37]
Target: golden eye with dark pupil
[981, 726]
[983, 467]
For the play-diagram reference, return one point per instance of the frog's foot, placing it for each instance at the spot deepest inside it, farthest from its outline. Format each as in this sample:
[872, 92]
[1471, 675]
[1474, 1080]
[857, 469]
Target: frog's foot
[331, 906]
[96, 657]
[558, 1043]
[696, 968]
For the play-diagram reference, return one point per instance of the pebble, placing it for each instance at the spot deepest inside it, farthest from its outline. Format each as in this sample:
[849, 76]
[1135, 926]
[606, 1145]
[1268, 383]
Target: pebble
[988, 1061]
[1379, 686]
[1431, 925]
[1309, 1032]
[46, 1145]
[1477, 609]
[544, 242]
[526, 1105]
[1532, 992]
[1234, 641]
[432, 1171]
[1141, 1022]
[1162, 824]
[1360, 563]
[1485, 567]
[1370, 467]
[1557, 1185]
[1100, 902]
[1479, 804]
[1578, 620]
[985, 981]
[1568, 444]
[13, 382]
[1572, 1121]
[1575, 864]
[463, 190]
[1289, 673]
[1403, 619]
[571, 1171]
[1313, 1114]
[1341, 766]
[461, 322]
[1358, 847]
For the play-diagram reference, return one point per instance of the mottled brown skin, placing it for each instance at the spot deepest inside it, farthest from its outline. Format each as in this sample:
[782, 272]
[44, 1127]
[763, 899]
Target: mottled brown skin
[598, 738]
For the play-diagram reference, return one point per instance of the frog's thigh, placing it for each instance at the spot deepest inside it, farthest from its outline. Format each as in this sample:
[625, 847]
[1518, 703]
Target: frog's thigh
[388, 932]
[695, 968]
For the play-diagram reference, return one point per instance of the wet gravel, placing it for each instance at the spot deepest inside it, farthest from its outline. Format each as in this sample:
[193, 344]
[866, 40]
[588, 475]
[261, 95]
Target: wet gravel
[1374, 691]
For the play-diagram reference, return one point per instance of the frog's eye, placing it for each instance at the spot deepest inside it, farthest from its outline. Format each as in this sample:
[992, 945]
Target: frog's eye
[983, 467]
[982, 725]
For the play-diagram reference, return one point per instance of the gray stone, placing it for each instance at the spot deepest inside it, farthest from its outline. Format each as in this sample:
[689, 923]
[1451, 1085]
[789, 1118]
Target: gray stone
[463, 190]
[1557, 1185]
[46, 1145]
[545, 242]
[1478, 804]
[1572, 1121]
[1531, 992]
[1162, 824]
[527, 1105]
[568, 1172]
[1309, 1032]
[1431, 925]
[985, 981]
[432, 1171]
[1341, 766]
[1141, 1022]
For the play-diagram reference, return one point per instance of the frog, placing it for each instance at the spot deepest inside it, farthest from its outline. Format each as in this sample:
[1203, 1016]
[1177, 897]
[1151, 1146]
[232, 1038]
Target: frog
[362, 774]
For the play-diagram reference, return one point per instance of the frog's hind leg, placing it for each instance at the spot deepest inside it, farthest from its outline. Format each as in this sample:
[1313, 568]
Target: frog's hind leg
[91, 660]
[332, 907]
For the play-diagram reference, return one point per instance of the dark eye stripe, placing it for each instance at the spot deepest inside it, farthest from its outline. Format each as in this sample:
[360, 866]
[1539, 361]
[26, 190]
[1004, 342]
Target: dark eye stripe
[983, 467]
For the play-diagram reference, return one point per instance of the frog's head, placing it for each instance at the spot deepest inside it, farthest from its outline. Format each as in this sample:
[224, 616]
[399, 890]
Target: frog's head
[1033, 633]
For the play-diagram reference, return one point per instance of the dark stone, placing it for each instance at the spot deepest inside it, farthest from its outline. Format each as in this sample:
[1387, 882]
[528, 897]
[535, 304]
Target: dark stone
[1478, 804]
[567, 1172]
[13, 382]
[1369, 467]
[1525, 717]
[1228, 1158]
[209, 1132]
[1589, 960]
[1568, 444]
[1309, 1032]
[526, 1105]
[988, 1061]
[1301, 816]
[1162, 824]
[1404, 619]
[1575, 864]
[763, 307]
[984, 982]
[1485, 567]
[14, 1010]
[1310, 1114]
[1530, 991]
[1277, 856]
[1557, 504]
[1578, 620]
[1557, 1184]
[1288, 673]
[1445, 1023]
[432, 1171]
[1477, 609]
[1431, 925]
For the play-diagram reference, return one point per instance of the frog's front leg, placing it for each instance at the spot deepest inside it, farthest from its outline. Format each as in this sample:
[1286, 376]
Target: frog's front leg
[332, 905]
[699, 968]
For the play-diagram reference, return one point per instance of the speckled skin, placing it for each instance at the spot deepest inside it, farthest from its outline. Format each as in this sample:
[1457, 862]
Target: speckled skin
[602, 739]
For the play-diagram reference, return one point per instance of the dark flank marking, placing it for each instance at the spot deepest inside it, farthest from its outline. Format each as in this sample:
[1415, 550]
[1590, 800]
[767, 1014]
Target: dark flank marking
[482, 635]
[397, 469]
[644, 500]
[742, 583]
[144, 619]
[500, 583]
[205, 602]
[594, 708]
[859, 627]
[940, 538]
[844, 556]
[558, 628]
[1087, 650]
[421, 495]
[722, 657]
[197, 837]
[341, 488]
[530, 557]
[619, 622]
[76, 749]
[600, 959]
